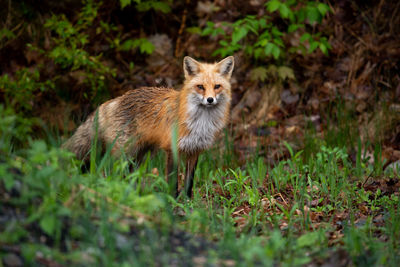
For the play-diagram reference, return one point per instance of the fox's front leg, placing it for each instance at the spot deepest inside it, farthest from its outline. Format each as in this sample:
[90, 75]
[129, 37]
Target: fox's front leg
[171, 173]
[191, 163]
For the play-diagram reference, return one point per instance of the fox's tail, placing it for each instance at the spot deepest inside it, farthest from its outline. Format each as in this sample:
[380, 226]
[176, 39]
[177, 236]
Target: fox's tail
[81, 141]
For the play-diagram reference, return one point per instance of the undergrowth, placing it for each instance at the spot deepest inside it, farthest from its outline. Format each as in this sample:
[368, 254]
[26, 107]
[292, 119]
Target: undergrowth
[302, 210]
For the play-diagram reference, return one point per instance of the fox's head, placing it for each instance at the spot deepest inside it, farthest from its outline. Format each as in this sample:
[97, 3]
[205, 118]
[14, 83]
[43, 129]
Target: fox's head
[208, 84]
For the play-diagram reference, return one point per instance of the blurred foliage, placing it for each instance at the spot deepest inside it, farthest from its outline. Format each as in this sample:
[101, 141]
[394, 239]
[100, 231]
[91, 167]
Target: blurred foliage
[260, 37]
[145, 47]
[146, 5]
[68, 47]
[21, 89]
[68, 43]
[70, 51]
[14, 130]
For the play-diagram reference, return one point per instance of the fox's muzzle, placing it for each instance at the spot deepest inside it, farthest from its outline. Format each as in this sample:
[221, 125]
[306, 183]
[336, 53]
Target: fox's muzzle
[209, 101]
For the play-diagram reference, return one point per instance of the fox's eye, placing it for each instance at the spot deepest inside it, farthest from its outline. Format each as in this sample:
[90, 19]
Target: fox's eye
[200, 86]
[217, 86]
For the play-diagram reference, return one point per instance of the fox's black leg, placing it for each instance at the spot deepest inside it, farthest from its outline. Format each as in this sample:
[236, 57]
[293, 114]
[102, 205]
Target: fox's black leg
[171, 172]
[189, 176]
[140, 155]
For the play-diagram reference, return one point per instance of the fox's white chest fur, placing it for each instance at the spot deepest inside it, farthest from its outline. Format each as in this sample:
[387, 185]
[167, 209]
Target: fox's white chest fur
[203, 124]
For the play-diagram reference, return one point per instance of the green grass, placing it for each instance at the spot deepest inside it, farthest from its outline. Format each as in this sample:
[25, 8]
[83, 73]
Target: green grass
[302, 210]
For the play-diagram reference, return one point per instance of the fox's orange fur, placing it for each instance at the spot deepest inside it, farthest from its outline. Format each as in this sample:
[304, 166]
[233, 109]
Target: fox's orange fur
[144, 118]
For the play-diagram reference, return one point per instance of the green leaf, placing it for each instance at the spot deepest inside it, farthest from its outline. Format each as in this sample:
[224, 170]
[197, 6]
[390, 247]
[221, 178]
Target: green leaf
[193, 30]
[276, 51]
[294, 27]
[258, 74]
[268, 48]
[313, 46]
[210, 24]
[324, 40]
[313, 15]
[7, 177]
[304, 37]
[257, 53]
[262, 43]
[218, 31]
[308, 239]
[127, 45]
[146, 47]
[207, 31]
[289, 147]
[48, 223]
[323, 48]
[220, 51]
[279, 42]
[252, 24]
[276, 32]
[323, 9]
[292, 17]
[301, 15]
[273, 5]
[248, 50]
[284, 10]
[7, 34]
[161, 6]
[263, 23]
[252, 28]
[124, 3]
[265, 35]
[285, 73]
[238, 34]
[223, 43]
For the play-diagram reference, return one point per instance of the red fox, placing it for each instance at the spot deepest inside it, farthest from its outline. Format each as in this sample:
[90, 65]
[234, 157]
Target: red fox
[143, 119]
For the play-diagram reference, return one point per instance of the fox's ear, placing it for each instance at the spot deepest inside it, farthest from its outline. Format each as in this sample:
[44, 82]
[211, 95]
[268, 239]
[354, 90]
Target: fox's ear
[190, 67]
[225, 66]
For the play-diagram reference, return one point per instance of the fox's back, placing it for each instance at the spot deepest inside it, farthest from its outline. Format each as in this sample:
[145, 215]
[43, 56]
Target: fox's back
[144, 103]
[142, 115]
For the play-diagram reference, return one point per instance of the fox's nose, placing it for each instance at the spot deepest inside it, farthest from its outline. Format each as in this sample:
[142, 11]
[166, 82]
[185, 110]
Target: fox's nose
[210, 100]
